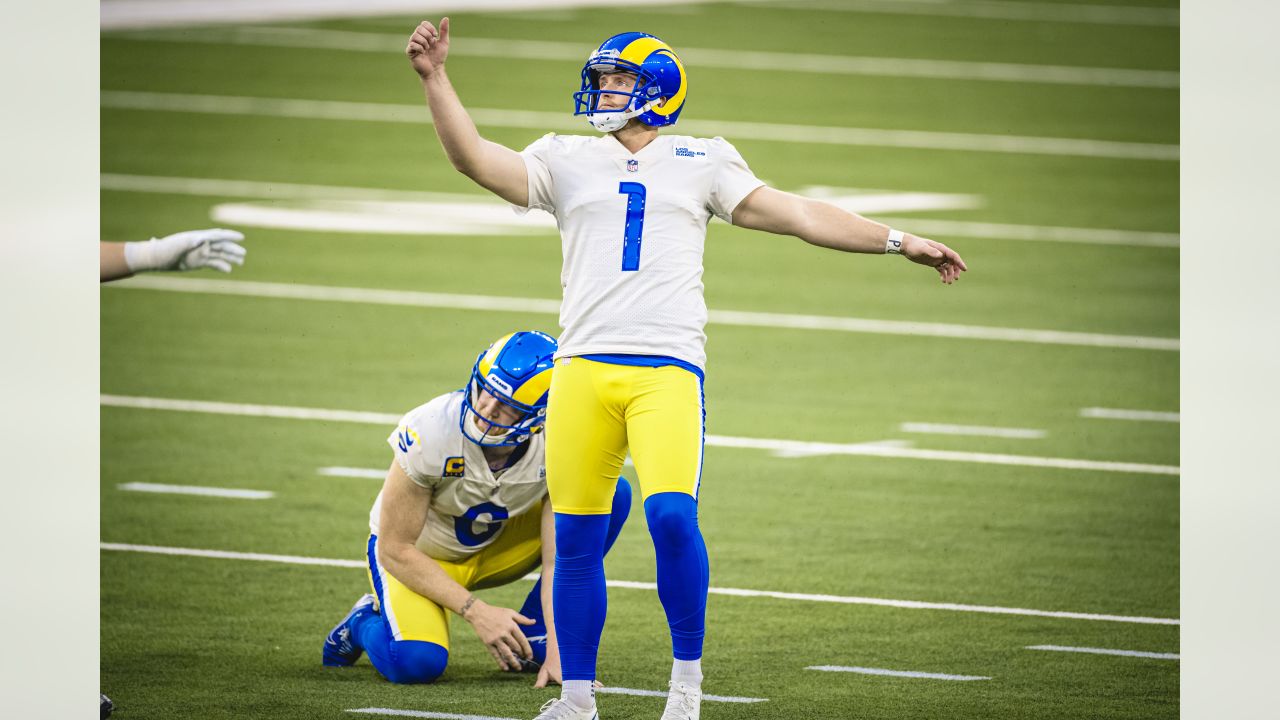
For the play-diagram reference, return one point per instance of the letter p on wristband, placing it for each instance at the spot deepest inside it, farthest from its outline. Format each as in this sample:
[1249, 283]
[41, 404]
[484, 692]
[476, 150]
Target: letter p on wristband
[893, 246]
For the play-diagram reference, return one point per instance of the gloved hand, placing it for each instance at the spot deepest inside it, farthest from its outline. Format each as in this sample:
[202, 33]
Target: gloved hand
[215, 248]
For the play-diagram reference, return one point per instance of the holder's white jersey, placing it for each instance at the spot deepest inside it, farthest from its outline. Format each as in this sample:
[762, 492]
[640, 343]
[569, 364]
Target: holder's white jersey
[632, 230]
[468, 504]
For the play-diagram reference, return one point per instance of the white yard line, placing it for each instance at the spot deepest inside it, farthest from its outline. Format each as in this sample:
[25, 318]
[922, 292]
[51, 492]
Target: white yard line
[663, 693]
[972, 430]
[197, 490]
[1038, 233]
[737, 60]
[631, 585]
[411, 298]
[894, 673]
[229, 555]
[1140, 415]
[213, 187]
[127, 14]
[791, 447]
[1100, 14]
[1105, 651]
[732, 129]
[391, 712]
[249, 410]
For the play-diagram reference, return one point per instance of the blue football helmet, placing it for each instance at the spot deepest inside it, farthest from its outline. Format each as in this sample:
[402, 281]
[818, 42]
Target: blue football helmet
[515, 369]
[659, 76]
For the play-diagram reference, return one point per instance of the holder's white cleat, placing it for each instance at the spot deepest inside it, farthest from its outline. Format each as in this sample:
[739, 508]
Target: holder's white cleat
[684, 702]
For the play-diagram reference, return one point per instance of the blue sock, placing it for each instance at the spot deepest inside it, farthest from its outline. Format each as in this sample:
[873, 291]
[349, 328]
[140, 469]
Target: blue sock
[682, 569]
[532, 607]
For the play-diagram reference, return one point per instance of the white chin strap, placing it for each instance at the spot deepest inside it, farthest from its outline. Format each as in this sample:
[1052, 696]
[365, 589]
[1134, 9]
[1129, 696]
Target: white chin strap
[610, 121]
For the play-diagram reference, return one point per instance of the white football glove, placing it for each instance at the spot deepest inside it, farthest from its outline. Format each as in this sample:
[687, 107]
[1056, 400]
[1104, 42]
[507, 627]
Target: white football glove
[216, 248]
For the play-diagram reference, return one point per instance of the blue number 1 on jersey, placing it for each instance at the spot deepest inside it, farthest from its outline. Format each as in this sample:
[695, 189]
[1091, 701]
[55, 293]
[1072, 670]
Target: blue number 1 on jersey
[635, 193]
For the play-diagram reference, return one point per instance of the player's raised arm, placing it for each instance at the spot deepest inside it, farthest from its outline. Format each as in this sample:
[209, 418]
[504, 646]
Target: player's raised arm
[826, 225]
[494, 167]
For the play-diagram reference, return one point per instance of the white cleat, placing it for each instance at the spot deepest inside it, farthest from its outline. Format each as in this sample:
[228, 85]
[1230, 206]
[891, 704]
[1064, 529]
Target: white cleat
[684, 702]
[557, 709]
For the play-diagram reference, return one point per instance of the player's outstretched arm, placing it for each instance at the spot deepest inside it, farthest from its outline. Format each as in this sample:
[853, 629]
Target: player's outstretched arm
[494, 167]
[215, 248]
[404, 512]
[826, 225]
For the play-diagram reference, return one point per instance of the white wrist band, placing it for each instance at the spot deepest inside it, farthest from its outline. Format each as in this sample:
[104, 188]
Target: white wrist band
[893, 246]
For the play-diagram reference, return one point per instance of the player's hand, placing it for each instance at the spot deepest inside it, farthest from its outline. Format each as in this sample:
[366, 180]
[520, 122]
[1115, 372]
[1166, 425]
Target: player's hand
[549, 673]
[934, 254]
[428, 47]
[499, 630]
[216, 248]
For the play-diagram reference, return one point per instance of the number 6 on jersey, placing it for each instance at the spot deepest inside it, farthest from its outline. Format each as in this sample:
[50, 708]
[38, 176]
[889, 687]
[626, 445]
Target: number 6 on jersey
[635, 193]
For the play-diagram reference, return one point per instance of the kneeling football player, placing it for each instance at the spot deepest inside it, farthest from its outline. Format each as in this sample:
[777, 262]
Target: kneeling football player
[464, 507]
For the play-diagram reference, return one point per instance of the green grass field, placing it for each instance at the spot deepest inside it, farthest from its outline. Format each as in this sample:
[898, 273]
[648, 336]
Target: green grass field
[983, 524]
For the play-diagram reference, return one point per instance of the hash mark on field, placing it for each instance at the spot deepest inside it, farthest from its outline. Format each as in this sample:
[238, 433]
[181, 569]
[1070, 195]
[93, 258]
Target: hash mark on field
[783, 321]
[894, 673]
[352, 472]
[422, 714]
[974, 430]
[632, 585]
[789, 447]
[663, 693]
[1117, 414]
[1105, 651]
[198, 490]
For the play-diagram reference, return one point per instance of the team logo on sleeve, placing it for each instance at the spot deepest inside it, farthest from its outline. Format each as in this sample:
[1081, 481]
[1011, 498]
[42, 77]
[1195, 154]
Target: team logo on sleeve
[406, 439]
[454, 467]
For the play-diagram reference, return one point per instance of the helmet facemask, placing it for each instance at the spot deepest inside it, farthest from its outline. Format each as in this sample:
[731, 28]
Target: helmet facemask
[643, 96]
[486, 432]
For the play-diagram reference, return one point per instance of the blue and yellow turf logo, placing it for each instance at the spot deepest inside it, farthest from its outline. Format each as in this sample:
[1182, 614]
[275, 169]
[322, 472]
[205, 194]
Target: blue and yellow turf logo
[406, 439]
[454, 467]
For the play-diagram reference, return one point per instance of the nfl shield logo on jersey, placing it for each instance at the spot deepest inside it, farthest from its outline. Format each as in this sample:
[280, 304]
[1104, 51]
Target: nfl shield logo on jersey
[633, 166]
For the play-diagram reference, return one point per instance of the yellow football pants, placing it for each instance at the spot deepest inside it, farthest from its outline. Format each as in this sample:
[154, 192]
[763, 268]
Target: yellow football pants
[598, 410]
[516, 552]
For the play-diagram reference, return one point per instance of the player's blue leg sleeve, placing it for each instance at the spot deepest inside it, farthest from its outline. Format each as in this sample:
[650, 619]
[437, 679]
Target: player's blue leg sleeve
[579, 593]
[402, 661]
[682, 569]
[532, 607]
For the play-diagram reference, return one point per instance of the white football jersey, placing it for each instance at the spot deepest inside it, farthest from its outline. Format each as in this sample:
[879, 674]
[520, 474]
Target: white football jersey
[632, 230]
[468, 504]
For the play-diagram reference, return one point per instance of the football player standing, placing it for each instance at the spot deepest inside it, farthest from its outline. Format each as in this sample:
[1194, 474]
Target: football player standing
[464, 508]
[633, 208]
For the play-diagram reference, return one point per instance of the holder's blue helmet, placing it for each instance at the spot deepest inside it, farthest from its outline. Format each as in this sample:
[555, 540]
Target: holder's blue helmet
[515, 369]
[659, 76]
